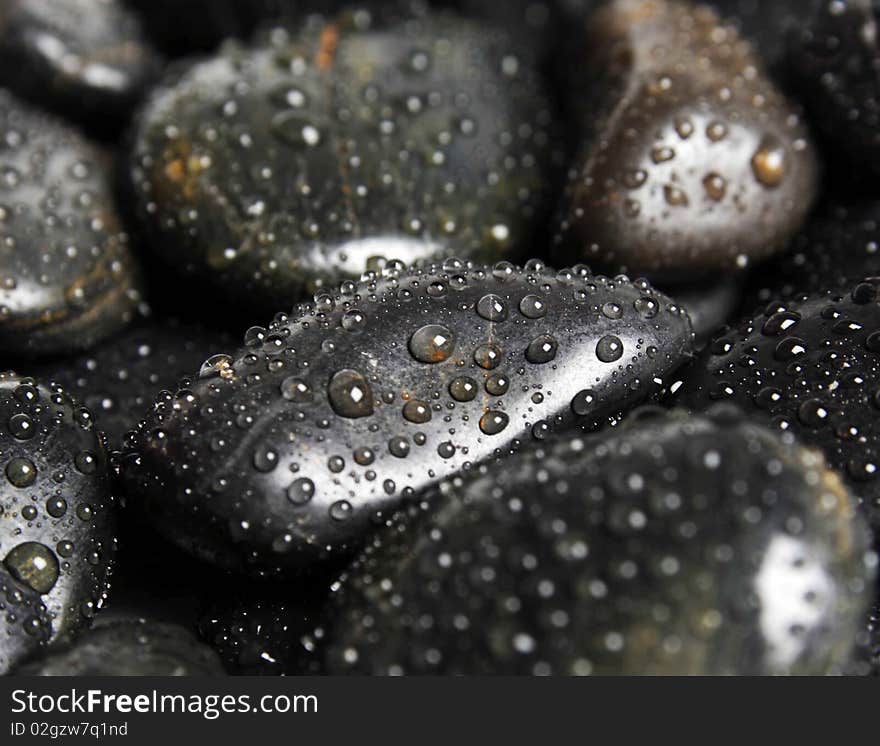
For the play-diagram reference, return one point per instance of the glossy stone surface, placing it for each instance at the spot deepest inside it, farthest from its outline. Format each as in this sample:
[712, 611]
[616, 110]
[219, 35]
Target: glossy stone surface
[835, 59]
[85, 59]
[810, 367]
[334, 148]
[135, 648]
[676, 545]
[119, 379]
[56, 510]
[691, 161]
[24, 623]
[287, 452]
[67, 275]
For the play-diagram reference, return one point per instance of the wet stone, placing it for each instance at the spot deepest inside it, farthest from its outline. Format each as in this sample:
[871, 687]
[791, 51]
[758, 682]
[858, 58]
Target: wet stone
[84, 59]
[692, 160]
[57, 533]
[653, 549]
[806, 367]
[272, 469]
[68, 277]
[323, 151]
[25, 625]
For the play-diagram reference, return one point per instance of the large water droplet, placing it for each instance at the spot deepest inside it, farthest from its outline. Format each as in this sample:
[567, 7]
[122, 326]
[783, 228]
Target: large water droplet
[463, 388]
[583, 402]
[542, 349]
[417, 412]
[21, 472]
[432, 344]
[301, 491]
[532, 307]
[493, 422]
[492, 308]
[609, 348]
[350, 394]
[769, 162]
[21, 426]
[340, 510]
[34, 564]
[488, 356]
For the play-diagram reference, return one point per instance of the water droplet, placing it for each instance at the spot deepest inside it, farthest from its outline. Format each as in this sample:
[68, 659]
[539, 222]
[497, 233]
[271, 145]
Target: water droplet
[493, 422]
[715, 186]
[85, 462]
[340, 510]
[674, 196]
[265, 459]
[217, 365]
[446, 449]
[789, 349]
[417, 412]
[293, 129]
[646, 307]
[56, 506]
[296, 390]
[432, 344]
[488, 356]
[497, 384]
[542, 349]
[492, 308]
[612, 310]
[301, 491]
[583, 402]
[662, 154]
[779, 323]
[609, 348]
[398, 447]
[21, 472]
[354, 320]
[813, 413]
[33, 564]
[769, 162]
[532, 307]
[350, 394]
[463, 388]
[21, 426]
